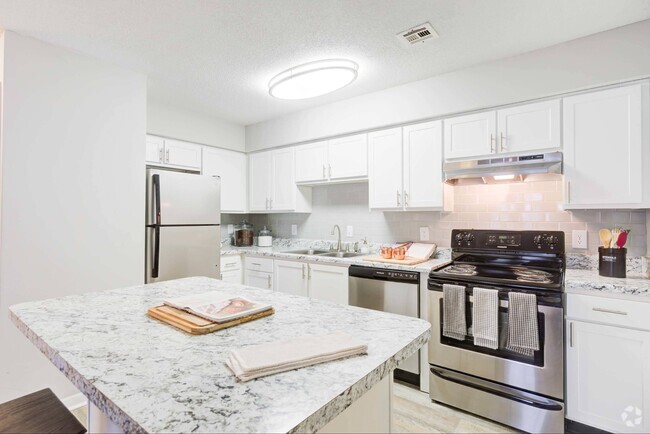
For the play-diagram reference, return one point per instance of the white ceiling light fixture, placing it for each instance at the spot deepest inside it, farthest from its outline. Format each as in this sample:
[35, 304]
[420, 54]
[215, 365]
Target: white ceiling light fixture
[313, 79]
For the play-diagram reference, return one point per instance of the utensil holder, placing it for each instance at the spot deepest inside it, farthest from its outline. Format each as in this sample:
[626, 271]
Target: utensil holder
[611, 262]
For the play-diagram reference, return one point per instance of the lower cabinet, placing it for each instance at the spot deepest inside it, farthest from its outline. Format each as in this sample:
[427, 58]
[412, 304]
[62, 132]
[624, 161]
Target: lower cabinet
[323, 282]
[607, 369]
[258, 279]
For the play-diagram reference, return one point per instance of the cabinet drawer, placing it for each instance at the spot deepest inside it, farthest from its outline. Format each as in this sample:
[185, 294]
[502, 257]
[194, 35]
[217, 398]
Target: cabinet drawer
[624, 313]
[258, 264]
[230, 262]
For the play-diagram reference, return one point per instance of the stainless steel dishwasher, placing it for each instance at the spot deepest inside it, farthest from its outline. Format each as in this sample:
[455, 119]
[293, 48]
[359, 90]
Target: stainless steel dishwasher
[393, 291]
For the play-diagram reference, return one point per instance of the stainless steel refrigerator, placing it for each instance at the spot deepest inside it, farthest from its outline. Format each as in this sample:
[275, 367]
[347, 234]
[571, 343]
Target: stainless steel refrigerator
[183, 225]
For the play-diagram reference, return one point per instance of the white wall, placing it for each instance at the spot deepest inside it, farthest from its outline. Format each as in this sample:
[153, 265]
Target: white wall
[600, 59]
[72, 179]
[181, 124]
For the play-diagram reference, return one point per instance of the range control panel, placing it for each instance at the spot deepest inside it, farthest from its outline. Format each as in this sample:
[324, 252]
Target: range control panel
[539, 241]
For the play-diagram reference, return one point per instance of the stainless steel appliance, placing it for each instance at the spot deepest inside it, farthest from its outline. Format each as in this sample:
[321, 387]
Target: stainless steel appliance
[526, 392]
[183, 233]
[388, 291]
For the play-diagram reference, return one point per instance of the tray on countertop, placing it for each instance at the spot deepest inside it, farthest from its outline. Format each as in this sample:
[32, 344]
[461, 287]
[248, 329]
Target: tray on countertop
[406, 261]
[195, 324]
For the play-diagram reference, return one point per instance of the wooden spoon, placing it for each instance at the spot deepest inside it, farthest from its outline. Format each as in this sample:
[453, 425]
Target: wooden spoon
[605, 237]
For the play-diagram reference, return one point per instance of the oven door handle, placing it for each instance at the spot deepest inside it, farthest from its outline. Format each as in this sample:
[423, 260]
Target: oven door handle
[502, 391]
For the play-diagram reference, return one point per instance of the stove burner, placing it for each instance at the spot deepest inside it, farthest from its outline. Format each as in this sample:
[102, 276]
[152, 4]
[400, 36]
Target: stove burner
[533, 278]
[532, 273]
[461, 270]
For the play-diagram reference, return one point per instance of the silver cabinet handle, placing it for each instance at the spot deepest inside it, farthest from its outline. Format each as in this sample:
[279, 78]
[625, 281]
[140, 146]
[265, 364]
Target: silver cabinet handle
[256, 263]
[616, 312]
[303, 271]
[399, 198]
[230, 265]
[329, 170]
[266, 206]
[406, 198]
[492, 142]
[160, 155]
[269, 281]
[571, 334]
[167, 155]
[324, 172]
[270, 203]
[308, 272]
[501, 141]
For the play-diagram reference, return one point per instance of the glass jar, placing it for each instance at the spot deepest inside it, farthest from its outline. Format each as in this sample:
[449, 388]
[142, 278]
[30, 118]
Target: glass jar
[243, 235]
[264, 238]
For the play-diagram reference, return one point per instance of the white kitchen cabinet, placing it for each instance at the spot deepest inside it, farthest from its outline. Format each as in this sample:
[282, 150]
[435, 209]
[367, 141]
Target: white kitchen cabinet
[606, 146]
[405, 168]
[231, 268]
[311, 162]
[470, 135]
[328, 282]
[529, 127]
[155, 149]
[607, 374]
[422, 171]
[291, 277]
[272, 184]
[231, 276]
[348, 157]
[258, 279]
[385, 169]
[230, 166]
[172, 153]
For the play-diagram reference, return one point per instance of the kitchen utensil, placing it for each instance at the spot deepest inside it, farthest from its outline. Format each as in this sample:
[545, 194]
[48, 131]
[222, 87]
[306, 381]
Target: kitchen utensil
[622, 239]
[605, 237]
[264, 238]
[399, 252]
[386, 252]
[615, 234]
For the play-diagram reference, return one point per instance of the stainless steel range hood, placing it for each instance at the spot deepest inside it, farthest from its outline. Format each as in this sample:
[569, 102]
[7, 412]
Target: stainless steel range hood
[499, 169]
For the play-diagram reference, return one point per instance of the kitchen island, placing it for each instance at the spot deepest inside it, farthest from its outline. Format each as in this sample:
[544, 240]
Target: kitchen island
[145, 376]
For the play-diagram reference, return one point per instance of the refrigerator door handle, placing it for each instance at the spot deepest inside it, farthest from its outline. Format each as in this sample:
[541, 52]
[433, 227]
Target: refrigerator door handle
[156, 252]
[156, 195]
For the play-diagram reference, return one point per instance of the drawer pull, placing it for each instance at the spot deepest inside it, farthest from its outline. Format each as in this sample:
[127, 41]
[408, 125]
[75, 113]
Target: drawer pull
[256, 263]
[617, 312]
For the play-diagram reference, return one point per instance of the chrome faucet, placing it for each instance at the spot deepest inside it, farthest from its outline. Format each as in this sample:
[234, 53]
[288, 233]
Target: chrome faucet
[338, 244]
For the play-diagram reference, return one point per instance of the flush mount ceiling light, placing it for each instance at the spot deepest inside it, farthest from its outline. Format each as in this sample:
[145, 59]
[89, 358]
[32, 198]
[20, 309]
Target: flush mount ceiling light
[313, 79]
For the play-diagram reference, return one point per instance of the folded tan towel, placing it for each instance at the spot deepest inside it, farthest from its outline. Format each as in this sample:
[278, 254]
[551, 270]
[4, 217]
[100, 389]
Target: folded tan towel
[261, 360]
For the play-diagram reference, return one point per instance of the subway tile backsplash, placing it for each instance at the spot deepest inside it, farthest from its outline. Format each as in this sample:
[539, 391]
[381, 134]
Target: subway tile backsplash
[536, 204]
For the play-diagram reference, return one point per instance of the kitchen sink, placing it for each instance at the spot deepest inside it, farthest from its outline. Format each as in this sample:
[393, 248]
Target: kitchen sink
[341, 254]
[307, 252]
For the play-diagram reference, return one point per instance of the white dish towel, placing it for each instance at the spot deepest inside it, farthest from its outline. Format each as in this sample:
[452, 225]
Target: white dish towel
[523, 330]
[454, 324]
[271, 358]
[485, 317]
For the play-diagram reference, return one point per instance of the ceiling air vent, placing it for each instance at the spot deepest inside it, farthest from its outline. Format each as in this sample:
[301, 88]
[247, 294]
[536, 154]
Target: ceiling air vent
[417, 34]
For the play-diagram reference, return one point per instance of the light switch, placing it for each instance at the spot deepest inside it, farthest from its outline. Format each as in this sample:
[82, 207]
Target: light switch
[349, 231]
[294, 229]
[424, 233]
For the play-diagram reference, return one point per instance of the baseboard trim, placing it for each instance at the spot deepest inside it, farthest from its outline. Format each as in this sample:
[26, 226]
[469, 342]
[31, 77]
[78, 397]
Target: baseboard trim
[75, 401]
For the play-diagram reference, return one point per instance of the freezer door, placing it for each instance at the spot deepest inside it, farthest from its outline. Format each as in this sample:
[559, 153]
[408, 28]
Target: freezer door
[182, 251]
[184, 198]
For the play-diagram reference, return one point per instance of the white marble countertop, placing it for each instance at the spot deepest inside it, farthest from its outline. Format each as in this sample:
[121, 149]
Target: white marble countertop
[149, 377]
[281, 252]
[634, 287]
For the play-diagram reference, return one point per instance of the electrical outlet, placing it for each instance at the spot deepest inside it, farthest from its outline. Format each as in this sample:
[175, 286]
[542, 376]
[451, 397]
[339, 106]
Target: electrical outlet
[579, 239]
[424, 233]
[294, 229]
[231, 229]
[349, 231]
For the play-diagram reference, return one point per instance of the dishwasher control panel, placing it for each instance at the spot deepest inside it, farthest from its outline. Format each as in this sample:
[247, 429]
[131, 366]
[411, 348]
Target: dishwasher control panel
[384, 274]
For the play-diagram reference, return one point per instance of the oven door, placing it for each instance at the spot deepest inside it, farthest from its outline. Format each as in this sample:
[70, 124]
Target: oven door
[541, 373]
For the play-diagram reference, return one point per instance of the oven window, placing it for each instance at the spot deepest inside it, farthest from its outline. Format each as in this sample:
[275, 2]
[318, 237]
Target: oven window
[537, 359]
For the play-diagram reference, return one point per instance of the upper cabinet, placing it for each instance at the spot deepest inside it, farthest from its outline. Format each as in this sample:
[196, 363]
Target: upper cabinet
[606, 144]
[272, 183]
[336, 160]
[524, 128]
[173, 153]
[405, 168]
[230, 166]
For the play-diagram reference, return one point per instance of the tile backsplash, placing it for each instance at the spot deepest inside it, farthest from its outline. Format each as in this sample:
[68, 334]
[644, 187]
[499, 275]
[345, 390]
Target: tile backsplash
[535, 204]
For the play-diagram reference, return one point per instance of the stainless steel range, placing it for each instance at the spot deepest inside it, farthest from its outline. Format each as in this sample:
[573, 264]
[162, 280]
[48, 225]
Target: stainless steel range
[521, 390]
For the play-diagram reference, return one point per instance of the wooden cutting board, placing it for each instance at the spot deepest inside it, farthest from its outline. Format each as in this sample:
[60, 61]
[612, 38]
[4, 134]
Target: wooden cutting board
[195, 324]
[406, 261]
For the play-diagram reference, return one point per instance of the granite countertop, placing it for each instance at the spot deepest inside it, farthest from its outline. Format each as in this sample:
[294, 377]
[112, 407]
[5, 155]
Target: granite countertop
[589, 282]
[281, 252]
[149, 377]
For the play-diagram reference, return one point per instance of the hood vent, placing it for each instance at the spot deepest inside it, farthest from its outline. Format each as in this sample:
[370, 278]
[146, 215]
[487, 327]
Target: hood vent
[502, 169]
[417, 34]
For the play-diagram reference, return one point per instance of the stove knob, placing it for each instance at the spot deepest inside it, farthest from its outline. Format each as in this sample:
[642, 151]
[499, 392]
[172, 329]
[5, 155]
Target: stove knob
[469, 238]
[551, 240]
[459, 237]
[537, 240]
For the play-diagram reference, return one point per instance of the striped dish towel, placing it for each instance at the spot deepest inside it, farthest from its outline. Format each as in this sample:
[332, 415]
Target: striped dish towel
[523, 330]
[485, 318]
[453, 319]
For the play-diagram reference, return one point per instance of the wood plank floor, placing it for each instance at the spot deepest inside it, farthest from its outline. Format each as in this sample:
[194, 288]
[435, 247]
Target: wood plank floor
[413, 412]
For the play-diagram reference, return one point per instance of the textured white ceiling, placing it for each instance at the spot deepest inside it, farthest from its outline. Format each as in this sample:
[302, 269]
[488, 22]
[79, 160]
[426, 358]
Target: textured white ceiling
[216, 56]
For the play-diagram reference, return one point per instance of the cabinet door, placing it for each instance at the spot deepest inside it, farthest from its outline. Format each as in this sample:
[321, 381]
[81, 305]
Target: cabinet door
[608, 377]
[603, 140]
[328, 282]
[423, 165]
[259, 181]
[471, 135]
[348, 157]
[283, 186]
[311, 162]
[155, 149]
[291, 277]
[232, 276]
[530, 127]
[258, 279]
[182, 154]
[231, 167]
[385, 169]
